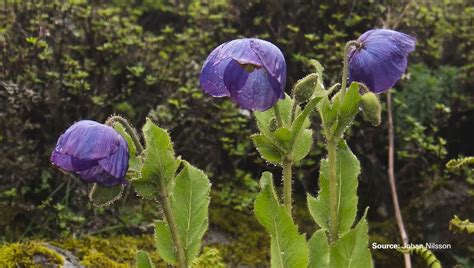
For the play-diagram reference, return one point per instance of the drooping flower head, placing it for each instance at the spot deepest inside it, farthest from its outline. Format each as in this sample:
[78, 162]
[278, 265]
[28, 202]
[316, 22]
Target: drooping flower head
[380, 58]
[94, 151]
[252, 72]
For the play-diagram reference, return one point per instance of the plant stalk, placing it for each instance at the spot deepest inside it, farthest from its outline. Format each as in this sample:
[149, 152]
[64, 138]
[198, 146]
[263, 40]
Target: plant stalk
[345, 68]
[165, 202]
[333, 194]
[129, 128]
[287, 191]
[391, 177]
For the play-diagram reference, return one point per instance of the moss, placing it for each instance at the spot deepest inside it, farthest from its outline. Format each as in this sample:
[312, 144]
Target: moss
[210, 257]
[119, 249]
[98, 259]
[29, 254]
[250, 244]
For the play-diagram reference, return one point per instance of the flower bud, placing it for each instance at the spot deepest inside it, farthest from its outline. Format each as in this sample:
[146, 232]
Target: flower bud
[371, 108]
[273, 124]
[305, 87]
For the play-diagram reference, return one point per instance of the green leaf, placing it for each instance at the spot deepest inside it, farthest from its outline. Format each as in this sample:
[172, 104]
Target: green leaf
[303, 146]
[144, 260]
[318, 250]
[350, 105]
[264, 118]
[190, 201]
[159, 161]
[147, 190]
[283, 135]
[164, 242]
[102, 196]
[267, 150]
[302, 121]
[351, 249]
[328, 115]
[288, 248]
[347, 170]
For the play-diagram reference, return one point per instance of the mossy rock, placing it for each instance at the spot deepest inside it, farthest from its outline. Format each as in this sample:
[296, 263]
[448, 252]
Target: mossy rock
[29, 254]
[249, 244]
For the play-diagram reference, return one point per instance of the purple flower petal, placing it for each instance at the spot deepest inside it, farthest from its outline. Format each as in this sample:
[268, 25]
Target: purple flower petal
[70, 163]
[381, 58]
[223, 73]
[95, 151]
[87, 139]
[246, 88]
[117, 163]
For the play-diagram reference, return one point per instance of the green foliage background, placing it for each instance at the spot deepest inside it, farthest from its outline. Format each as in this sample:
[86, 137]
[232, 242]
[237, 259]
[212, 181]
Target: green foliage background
[62, 61]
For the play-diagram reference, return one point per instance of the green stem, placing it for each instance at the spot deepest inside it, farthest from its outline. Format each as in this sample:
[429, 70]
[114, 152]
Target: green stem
[129, 128]
[165, 202]
[293, 111]
[345, 69]
[333, 194]
[276, 108]
[287, 200]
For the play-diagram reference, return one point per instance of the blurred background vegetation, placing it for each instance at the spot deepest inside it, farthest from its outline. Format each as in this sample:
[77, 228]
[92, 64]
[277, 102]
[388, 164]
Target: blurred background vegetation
[66, 60]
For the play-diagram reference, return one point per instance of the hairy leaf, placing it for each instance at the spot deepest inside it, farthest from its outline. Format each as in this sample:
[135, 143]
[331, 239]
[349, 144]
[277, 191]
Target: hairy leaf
[190, 202]
[351, 251]
[303, 146]
[318, 250]
[143, 260]
[267, 150]
[164, 242]
[102, 196]
[159, 161]
[288, 248]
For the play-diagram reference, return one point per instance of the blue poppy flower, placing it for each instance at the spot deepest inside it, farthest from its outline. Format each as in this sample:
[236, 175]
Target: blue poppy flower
[252, 72]
[94, 151]
[379, 58]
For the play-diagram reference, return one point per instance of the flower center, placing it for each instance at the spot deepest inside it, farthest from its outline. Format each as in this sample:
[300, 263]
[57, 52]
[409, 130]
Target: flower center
[249, 67]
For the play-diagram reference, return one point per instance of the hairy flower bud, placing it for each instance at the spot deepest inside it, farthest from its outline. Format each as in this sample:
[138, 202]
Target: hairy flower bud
[305, 87]
[371, 108]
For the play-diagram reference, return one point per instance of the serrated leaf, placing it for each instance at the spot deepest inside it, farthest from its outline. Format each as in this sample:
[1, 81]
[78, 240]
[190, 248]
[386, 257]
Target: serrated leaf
[164, 242]
[347, 170]
[288, 248]
[190, 201]
[303, 146]
[134, 162]
[144, 260]
[267, 150]
[159, 161]
[102, 196]
[318, 250]
[351, 249]
[145, 189]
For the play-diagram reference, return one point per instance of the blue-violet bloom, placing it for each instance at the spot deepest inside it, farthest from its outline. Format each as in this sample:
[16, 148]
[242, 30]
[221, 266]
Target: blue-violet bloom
[252, 72]
[94, 151]
[379, 58]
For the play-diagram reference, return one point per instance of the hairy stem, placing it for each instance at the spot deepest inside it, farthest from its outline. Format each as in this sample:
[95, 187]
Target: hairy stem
[165, 202]
[276, 108]
[345, 69]
[391, 177]
[129, 128]
[333, 194]
[287, 191]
